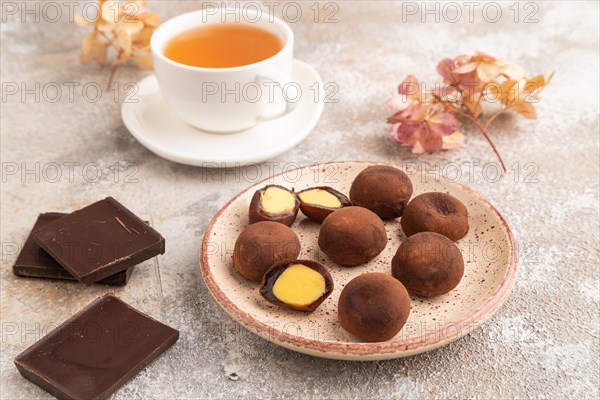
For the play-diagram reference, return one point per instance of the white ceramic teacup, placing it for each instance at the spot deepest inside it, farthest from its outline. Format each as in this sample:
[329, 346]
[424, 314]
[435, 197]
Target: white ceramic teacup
[225, 99]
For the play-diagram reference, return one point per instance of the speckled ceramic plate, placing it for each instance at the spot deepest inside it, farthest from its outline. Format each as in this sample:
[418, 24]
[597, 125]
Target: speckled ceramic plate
[489, 251]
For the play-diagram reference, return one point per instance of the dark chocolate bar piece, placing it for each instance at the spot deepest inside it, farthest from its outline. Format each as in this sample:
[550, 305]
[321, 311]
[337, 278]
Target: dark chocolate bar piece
[96, 351]
[34, 262]
[99, 240]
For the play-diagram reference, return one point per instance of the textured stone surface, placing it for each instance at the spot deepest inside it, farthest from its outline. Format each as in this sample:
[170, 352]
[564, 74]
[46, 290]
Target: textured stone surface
[543, 343]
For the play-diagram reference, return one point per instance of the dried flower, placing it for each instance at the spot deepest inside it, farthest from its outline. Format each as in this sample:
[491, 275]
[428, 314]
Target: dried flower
[416, 123]
[487, 68]
[427, 120]
[126, 26]
[519, 95]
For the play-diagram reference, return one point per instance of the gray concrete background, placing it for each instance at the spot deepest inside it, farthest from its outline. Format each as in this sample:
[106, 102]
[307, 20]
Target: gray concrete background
[544, 342]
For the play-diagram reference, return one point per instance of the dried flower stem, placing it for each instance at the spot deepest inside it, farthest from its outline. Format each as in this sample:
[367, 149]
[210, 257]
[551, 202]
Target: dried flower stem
[110, 41]
[482, 128]
[493, 117]
[113, 71]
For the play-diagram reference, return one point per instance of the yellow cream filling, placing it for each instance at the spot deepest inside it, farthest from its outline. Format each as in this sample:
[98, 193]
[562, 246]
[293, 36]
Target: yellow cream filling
[299, 285]
[320, 197]
[275, 200]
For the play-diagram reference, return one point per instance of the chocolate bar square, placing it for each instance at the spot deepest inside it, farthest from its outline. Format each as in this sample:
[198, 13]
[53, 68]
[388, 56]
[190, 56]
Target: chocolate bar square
[34, 262]
[96, 351]
[99, 240]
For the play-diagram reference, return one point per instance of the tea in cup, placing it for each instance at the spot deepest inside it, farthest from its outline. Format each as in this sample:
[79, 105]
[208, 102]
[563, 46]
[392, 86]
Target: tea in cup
[217, 68]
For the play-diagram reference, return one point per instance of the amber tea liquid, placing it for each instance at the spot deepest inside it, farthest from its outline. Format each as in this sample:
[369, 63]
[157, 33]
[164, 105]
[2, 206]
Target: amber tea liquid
[222, 46]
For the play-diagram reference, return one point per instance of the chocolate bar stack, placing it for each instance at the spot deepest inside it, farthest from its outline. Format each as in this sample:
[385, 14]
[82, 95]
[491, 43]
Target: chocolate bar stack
[97, 350]
[97, 244]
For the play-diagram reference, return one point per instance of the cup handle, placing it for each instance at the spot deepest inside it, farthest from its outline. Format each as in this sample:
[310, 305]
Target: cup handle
[275, 76]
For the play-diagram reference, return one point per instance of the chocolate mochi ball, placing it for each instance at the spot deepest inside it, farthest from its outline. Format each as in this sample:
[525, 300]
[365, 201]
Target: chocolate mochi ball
[261, 245]
[383, 189]
[352, 236]
[436, 212]
[428, 264]
[373, 307]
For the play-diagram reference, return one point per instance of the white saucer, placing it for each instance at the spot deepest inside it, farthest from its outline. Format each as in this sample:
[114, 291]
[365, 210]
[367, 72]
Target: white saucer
[156, 126]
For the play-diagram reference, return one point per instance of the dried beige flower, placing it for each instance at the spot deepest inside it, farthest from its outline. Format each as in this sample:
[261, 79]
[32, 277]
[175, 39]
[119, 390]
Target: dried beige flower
[125, 26]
